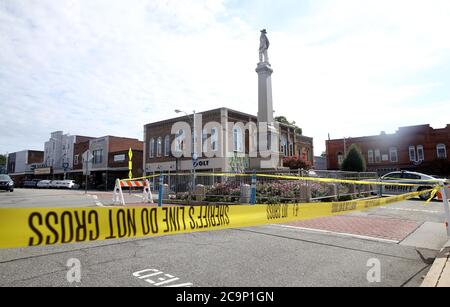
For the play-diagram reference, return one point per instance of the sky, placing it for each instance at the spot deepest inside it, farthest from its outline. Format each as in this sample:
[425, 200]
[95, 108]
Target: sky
[347, 68]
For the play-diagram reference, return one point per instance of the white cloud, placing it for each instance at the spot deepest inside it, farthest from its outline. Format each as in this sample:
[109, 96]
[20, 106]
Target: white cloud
[108, 67]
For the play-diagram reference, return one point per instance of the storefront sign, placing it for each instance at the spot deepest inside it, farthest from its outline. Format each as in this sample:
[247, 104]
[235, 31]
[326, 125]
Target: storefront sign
[42, 171]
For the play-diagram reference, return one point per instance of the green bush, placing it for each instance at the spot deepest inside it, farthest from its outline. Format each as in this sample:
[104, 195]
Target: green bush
[354, 161]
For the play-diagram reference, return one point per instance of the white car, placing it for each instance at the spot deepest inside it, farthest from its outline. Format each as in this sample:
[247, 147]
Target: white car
[424, 182]
[68, 184]
[43, 184]
[64, 184]
[54, 184]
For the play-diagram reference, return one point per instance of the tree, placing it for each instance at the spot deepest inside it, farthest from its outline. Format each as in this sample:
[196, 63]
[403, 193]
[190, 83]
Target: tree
[295, 163]
[354, 161]
[2, 159]
[283, 120]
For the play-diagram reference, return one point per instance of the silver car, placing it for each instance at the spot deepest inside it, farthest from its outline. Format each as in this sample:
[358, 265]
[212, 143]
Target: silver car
[43, 184]
[423, 181]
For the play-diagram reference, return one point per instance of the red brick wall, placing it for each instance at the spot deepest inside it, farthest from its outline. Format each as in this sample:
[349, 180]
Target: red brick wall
[137, 161]
[405, 137]
[79, 149]
[117, 144]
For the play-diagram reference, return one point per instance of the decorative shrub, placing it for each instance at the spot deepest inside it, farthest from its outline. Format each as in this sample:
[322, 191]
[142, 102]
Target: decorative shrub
[296, 163]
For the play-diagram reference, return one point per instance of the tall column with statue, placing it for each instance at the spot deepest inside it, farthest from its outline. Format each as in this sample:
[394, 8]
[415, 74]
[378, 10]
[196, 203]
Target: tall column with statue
[267, 128]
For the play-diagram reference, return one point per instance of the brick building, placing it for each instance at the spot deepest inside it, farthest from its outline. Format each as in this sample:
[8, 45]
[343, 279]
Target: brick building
[109, 162]
[21, 165]
[415, 148]
[230, 156]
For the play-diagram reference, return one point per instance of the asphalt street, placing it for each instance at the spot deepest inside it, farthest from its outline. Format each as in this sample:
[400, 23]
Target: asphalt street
[265, 256]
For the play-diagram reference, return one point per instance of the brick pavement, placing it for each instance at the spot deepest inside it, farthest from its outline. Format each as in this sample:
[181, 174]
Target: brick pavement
[377, 227]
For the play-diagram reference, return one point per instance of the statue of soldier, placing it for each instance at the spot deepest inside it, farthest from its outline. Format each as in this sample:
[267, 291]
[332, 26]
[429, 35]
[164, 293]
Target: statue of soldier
[263, 46]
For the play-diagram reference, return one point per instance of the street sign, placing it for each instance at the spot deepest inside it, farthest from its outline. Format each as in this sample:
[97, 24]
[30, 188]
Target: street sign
[87, 156]
[87, 162]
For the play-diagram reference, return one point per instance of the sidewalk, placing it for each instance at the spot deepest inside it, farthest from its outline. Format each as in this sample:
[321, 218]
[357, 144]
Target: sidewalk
[439, 274]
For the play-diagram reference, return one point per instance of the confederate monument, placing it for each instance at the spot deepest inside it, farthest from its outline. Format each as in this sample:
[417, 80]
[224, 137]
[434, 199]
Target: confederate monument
[264, 70]
[263, 46]
[265, 107]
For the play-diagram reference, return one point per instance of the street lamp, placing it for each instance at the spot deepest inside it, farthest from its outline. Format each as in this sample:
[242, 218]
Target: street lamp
[194, 155]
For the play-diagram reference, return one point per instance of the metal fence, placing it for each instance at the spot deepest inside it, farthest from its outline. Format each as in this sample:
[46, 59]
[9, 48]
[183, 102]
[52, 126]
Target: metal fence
[270, 188]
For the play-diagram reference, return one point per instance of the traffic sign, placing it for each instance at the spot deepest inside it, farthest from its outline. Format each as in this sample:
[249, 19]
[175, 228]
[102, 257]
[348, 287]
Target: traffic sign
[87, 156]
[130, 154]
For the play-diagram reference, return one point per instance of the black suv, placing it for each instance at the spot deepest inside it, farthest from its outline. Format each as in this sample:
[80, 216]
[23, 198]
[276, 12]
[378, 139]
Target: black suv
[6, 183]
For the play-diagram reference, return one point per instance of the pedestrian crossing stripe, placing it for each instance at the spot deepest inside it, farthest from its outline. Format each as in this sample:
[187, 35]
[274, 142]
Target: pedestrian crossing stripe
[41, 227]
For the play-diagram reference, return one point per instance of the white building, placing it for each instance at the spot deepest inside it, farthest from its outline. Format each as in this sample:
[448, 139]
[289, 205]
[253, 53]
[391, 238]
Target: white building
[59, 151]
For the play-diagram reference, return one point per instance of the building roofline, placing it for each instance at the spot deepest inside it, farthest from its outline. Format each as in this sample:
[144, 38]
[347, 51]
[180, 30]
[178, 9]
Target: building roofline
[395, 134]
[180, 118]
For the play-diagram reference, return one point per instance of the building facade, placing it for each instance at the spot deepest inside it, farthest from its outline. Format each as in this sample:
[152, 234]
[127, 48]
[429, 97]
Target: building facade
[59, 152]
[228, 143]
[21, 165]
[415, 148]
[109, 161]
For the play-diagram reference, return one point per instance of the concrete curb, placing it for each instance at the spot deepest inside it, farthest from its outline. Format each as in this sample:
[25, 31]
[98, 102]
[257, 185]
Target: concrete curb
[439, 274]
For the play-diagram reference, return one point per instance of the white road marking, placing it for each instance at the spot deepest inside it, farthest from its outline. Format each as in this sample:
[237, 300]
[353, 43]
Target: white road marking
[412, 210]
[337, 233]
[96, 201]
[163, 279]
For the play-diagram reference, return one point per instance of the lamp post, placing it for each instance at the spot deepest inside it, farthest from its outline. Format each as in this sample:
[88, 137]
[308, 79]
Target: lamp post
[194, 155]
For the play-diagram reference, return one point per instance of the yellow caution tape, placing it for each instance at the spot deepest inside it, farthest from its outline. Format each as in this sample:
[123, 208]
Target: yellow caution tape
[140, 178]
[433, 193]
[314, 179]
[40, 227]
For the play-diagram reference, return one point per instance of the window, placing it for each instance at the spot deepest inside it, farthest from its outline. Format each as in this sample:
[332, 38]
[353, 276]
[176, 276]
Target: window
[370, 156]
[159, 147]
[393, 176]
[179, 141]
[420, 153]
[412, 153]
[237, 140]
[75, 160]
[119, 158]
[340, 158]
[151, 149]
[167, 146]
[393, 154]
[284, 146]
[411, 176]
[441, 151]
[377, 156]
[291, 150]
[98, 156]
[214, 139]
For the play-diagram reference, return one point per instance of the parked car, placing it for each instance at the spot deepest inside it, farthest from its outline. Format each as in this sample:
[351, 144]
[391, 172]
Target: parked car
[6, 183]
[68, 184]
[425, 182]
[43, 184]
[54, 184]
[30, 183]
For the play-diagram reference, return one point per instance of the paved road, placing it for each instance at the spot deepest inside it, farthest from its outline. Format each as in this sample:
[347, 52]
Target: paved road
[35, 198]
[271, 255]
[259, 256]
[48, 198]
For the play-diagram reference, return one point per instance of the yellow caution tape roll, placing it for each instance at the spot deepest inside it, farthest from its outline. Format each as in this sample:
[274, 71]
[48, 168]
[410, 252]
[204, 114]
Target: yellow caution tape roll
[40, 227]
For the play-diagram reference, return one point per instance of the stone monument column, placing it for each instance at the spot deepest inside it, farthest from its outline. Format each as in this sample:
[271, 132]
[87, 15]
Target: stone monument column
[269, 151]
[265, 104]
